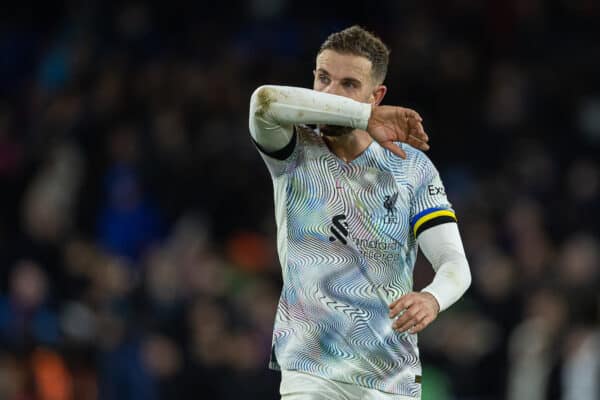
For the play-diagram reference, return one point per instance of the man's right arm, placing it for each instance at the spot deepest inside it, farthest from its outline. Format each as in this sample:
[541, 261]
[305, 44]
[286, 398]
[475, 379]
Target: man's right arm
[274, 110]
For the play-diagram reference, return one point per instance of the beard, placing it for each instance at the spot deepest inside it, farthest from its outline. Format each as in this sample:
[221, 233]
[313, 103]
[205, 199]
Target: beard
[335, 130]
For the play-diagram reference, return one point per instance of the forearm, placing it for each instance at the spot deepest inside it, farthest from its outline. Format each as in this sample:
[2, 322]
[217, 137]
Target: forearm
[442, 246]
[274, 110]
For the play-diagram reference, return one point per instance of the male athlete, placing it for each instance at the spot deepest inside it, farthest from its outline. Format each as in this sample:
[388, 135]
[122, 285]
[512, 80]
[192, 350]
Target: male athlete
[354, 197]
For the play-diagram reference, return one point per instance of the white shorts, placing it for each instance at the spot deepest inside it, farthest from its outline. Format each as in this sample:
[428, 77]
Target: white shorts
[302, 386]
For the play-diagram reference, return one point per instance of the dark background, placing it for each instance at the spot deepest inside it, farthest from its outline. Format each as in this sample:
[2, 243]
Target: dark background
[136, 219]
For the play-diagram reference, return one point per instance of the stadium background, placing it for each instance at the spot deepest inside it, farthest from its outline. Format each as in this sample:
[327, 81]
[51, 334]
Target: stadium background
[136, 219]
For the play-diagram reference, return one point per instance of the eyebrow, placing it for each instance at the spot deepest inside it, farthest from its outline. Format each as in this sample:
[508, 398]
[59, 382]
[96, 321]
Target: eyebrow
[352, 80]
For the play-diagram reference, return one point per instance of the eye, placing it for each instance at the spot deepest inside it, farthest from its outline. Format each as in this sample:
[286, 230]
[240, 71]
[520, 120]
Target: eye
[324, 79]
[349, 84]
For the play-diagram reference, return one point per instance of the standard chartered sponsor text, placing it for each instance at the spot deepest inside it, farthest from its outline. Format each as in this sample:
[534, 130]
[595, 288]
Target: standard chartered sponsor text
[378, 250]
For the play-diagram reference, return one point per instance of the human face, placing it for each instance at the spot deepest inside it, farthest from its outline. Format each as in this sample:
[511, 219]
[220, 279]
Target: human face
[345, 75]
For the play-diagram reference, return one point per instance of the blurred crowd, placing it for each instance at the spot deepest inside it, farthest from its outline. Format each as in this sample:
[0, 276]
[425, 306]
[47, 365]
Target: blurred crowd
[137, 236]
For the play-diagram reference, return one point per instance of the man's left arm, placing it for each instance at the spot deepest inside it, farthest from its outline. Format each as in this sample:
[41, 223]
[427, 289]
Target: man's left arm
[442, 246]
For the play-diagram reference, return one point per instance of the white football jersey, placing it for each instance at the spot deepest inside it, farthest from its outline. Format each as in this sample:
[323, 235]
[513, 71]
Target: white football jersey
[347, 247]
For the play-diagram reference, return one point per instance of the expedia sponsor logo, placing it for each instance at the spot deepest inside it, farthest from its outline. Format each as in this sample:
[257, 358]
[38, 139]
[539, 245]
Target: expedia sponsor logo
[435, 190]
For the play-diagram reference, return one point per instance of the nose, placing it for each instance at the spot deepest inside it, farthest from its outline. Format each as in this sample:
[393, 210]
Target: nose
[333, 88]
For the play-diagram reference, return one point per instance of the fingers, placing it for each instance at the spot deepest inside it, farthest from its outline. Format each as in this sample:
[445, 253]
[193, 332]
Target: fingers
[394, 303]
[412, 114]
[416, 129]
[403, 303]
[421, 325]
[417, 143]
[394, 148]
[415, 312]
[388, 124]
[414, 132]
[409, 319]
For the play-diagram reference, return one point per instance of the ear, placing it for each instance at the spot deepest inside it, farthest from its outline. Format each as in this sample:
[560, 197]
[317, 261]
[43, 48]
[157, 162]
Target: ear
[378, 94]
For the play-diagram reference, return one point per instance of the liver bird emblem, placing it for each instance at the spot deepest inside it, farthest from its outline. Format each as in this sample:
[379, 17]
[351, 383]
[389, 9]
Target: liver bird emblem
[390, 204]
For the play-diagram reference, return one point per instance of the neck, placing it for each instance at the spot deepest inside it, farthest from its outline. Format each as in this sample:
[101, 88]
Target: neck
[349, 146]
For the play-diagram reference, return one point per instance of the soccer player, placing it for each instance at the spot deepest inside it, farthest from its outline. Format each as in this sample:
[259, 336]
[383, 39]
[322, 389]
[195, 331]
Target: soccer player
[354, 197]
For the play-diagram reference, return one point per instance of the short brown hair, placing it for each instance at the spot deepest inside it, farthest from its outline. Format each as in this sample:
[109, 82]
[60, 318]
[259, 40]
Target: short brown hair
[360, 42]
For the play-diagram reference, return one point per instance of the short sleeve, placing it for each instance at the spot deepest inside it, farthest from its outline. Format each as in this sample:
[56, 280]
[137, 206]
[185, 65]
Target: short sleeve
[280, 161]
[429, 205]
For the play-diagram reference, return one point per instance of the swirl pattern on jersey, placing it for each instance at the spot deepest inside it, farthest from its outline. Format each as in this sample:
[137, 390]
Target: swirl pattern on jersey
[332, 318]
